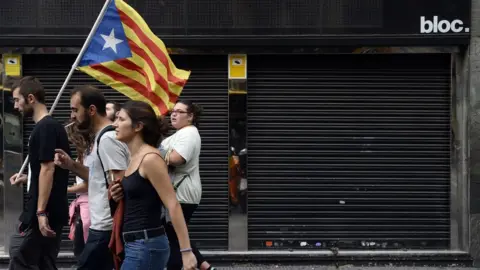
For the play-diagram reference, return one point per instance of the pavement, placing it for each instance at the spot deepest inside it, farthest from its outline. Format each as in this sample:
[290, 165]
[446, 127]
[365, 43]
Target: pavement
[323, 267]
[346, 267]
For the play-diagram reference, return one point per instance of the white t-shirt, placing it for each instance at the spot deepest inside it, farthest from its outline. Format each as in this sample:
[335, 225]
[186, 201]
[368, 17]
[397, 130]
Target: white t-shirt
[187, 143]
[115, 156]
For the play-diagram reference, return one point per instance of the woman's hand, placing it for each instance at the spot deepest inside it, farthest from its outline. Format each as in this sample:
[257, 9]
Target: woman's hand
[116, 191]
[189, 260]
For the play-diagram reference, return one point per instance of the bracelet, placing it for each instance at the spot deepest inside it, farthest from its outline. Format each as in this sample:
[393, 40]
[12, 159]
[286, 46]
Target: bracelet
[185, 250]
[41, 213]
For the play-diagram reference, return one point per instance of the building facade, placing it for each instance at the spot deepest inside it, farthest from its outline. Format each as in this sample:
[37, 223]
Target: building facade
[359, 118]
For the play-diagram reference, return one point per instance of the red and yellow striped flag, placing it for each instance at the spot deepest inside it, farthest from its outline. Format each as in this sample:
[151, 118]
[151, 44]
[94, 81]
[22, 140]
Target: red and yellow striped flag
[126, 55]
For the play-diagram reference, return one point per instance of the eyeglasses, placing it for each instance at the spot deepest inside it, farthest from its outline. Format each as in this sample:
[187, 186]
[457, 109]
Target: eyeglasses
[177, 111]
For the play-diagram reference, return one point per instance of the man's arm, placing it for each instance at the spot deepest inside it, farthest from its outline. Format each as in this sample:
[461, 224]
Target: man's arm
[46, 139]
[80, 170]
[45, 183]
[64, 161]
[114, 156]
[115, 162]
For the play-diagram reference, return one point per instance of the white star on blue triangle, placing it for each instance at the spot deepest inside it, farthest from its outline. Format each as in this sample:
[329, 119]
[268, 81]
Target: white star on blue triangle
[109, 42]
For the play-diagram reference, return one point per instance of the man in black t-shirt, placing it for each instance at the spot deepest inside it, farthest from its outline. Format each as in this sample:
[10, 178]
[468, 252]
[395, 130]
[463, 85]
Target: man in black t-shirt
[37, 242]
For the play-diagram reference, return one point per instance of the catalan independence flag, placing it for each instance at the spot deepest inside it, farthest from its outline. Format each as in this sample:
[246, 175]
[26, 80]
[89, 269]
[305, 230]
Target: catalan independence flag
[126, 55]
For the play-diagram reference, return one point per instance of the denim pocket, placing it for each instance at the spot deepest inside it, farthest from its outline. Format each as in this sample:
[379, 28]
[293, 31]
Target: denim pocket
[134, 255]
[158, 258]
[158, 251]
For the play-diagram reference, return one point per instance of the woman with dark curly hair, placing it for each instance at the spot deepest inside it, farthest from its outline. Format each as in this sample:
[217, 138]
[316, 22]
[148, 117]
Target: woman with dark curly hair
[79, 211]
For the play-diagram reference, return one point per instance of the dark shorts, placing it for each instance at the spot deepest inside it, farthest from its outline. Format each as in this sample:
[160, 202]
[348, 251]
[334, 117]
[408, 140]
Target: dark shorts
[29, 249]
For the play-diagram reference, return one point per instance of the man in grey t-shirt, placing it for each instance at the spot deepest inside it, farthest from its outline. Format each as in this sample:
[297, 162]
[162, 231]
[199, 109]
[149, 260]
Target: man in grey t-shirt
[114, 157]
[110, 160]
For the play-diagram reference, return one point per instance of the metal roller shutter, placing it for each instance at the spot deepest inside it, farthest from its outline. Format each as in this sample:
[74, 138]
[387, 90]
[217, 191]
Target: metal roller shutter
[208, 87]
[349, 151]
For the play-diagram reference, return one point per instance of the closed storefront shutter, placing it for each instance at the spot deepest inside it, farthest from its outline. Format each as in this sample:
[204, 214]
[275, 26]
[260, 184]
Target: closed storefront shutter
[208, 87]
[349, 151]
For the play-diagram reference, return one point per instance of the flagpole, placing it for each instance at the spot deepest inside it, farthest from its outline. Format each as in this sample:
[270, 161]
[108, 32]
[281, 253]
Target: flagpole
[74, 66]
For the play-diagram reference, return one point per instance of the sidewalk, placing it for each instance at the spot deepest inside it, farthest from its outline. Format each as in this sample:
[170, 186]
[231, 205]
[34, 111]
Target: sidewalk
[322, 267]
[346, 267]
[317, 267]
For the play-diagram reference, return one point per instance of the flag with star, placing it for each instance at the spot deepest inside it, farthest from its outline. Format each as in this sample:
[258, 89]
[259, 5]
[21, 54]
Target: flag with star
[127, 56]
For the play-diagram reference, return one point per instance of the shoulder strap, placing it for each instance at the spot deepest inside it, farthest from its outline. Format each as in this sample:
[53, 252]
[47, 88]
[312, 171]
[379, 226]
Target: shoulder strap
[141, 161]
[175, 187]
[167, 160]
[105, 130]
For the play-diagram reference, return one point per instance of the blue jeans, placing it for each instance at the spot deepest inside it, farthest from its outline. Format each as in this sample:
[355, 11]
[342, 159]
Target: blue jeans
[150, 254]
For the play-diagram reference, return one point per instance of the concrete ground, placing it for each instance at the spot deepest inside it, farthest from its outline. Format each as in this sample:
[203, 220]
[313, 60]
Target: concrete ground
[316, 267]
[346, 267]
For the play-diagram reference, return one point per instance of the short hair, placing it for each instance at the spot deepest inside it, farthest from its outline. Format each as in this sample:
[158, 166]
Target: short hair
[116, 106]
[30, 85]
[90, 95]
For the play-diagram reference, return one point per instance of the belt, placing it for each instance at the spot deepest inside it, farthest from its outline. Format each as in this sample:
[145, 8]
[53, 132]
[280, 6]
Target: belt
[143, 234]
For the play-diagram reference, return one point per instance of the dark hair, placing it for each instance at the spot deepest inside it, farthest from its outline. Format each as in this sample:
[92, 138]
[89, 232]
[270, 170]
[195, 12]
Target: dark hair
[116, 106]
[89, 96]
[154, 128]
[30, 86]
[193, 108]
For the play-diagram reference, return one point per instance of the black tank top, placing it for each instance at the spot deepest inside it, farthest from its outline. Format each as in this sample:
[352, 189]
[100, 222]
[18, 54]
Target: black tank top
[143, 207]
